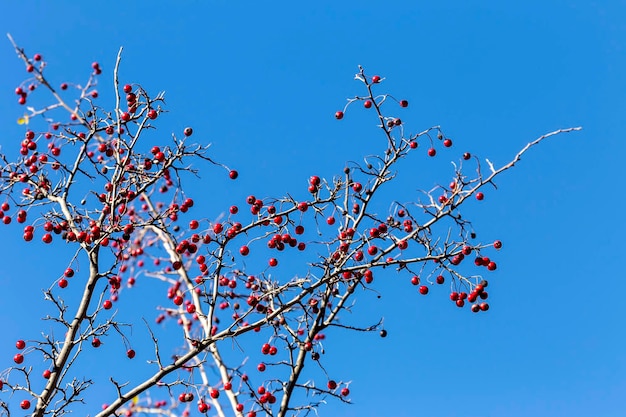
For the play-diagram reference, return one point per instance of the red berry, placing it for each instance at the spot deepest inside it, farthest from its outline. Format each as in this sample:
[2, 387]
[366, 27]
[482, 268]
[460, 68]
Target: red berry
[18, 358]
[432, 152]
[130, 353]
[413, 144]
[107, 304]
[367, 104]
[128, 88]
[440, 279]
[273, 262]
[332, 384]
[339, 115]
[188, 131]
[159, 156]
[497, 244]
[261, 367]
[37, 57]
[233, 174]
[25, 405]
[125, 116]
[63, 283]
[484, 306]
[376, 79]
[345, 392]
[404, 103]
[447, 143]
[46, 374]
[467, 156]
[480, 196]
[20, 344]
[423, 290]
[152, 114]
[244, 250]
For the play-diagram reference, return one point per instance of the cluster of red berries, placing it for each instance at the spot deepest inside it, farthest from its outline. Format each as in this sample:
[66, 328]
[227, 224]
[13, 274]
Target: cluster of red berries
[96, 68]
[186, 247]
[478, 261]
[19, 359]
[23, 94]
[478, 292]
[131, 101]
[268, 349]
[32, 164]
[368, 102]
[203, 407]
[185, 397]
[30, 67]
[265, 396]
[486, 262]
[256, 205]
[5, 218]
[280, 241]
[314, 184]
[67, 234]
[332, 385]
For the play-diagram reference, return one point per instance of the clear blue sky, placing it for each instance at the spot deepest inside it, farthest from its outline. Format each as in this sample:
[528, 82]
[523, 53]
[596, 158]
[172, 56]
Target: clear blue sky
[262, 81]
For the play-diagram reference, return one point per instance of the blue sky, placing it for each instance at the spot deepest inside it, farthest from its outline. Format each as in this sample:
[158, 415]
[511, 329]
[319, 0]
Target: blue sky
[261, 82]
